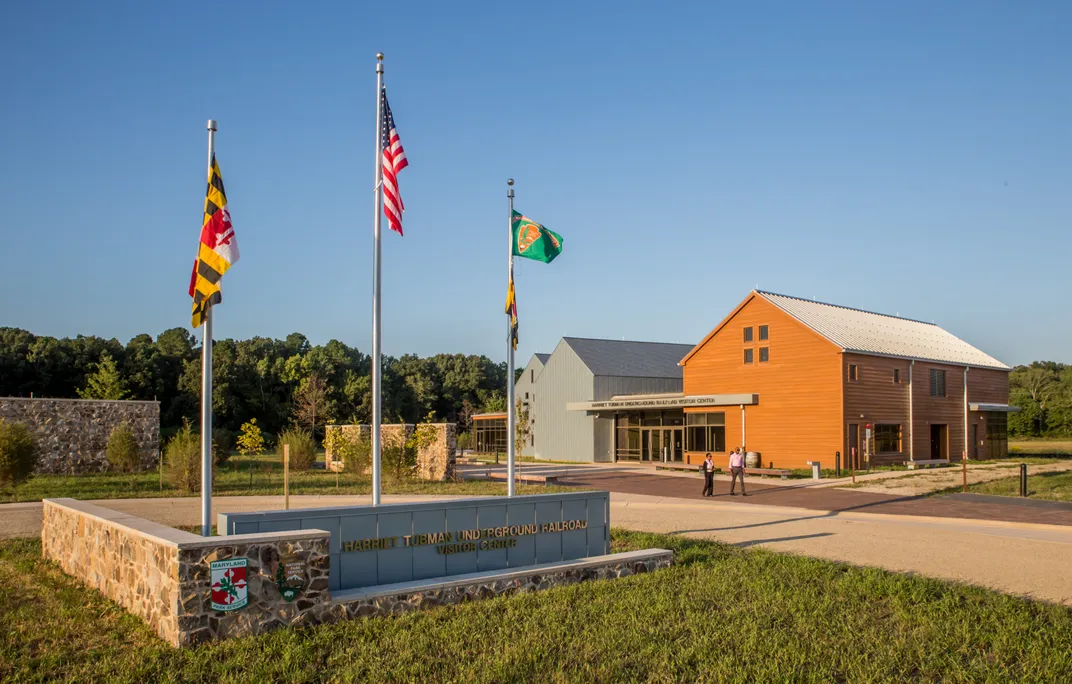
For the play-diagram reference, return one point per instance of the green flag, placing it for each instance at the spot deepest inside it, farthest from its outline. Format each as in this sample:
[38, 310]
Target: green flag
[533, 241]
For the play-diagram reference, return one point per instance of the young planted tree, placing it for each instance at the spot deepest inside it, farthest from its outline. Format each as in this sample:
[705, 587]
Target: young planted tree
[250, 439]
[105, 382]
[522, 426]
[311, 402]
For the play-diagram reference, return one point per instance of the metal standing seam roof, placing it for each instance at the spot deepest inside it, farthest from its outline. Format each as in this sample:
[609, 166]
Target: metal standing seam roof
[619, 358]
[865, 332]
[543, 358]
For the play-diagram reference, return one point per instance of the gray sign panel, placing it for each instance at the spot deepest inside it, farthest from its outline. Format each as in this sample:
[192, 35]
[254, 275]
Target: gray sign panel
[405, 542]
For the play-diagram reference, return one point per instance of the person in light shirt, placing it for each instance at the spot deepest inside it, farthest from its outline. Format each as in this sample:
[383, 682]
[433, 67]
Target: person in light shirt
[708, 469]
[737, 470]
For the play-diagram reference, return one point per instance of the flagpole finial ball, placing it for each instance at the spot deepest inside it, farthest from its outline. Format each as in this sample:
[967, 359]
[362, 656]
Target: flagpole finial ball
[379, 56]
[510, 181]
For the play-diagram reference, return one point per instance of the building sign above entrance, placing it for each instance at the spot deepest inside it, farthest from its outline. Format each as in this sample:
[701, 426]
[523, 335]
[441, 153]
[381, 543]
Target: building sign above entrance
[664, 401]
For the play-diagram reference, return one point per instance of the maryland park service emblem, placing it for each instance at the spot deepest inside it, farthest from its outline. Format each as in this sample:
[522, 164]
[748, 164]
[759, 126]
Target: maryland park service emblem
[230, 589]
[290, 576]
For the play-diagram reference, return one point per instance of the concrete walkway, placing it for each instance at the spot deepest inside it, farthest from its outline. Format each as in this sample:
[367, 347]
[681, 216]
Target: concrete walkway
[1020, 558]
[817, 499]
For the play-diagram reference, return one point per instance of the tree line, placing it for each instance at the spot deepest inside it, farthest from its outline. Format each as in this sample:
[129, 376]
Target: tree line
[278, 382]
[1043, 391]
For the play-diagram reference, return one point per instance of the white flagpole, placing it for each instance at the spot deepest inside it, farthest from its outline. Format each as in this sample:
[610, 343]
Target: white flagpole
[377, 389]
[510, 417]
[206, 387]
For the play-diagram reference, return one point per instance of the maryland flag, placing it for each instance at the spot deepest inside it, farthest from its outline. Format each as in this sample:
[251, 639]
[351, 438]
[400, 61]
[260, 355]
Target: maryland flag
[218, 250]
[511, 311]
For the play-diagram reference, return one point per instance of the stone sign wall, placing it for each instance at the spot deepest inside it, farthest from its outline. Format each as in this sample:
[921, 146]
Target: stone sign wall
[374, 545]
[72, 434]
[179, 582]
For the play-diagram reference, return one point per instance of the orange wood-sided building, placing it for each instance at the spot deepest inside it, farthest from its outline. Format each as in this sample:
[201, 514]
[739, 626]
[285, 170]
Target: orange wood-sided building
[828, 379]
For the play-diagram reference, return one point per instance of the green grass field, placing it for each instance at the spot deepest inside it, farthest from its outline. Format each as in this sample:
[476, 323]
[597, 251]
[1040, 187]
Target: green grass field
[1048, 486]
[1040, 446]
[233, 478]
[721, 614]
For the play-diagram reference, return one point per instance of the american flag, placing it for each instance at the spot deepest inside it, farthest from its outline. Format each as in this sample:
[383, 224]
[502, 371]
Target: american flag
[394, 160]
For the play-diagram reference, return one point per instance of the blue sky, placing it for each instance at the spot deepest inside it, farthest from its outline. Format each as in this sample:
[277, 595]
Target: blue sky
[906, 158]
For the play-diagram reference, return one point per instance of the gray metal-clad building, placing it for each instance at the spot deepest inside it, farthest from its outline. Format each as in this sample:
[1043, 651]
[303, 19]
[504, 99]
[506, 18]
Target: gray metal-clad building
[585, 370]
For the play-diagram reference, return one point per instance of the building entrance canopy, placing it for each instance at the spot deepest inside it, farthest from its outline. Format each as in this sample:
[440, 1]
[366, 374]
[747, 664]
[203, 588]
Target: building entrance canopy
[663, 401]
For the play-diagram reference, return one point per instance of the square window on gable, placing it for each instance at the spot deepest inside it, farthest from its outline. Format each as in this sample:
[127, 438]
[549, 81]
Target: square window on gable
[748, 355]
[764, 333]
[764, 354]
[748, 334]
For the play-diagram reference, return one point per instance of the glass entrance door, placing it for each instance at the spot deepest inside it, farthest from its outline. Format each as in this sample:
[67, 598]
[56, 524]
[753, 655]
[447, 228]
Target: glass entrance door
[675, 446]
[656, 447]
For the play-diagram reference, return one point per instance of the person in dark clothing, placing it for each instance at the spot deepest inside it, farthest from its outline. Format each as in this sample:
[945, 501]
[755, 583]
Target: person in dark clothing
[708, 469]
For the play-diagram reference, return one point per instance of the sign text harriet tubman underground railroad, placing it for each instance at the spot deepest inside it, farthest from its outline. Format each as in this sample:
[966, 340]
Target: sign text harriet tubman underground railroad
[464, 540]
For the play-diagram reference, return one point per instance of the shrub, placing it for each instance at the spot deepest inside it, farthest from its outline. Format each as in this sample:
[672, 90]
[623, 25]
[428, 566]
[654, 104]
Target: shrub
[18, 453]
[182, 459]
[348, 447]
[399, 457]
[302, 448]
[122, 451]
[224, 443]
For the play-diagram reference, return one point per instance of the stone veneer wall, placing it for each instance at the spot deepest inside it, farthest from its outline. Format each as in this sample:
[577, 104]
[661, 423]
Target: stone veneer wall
[162, 575]
[72, 434]
[434, 462]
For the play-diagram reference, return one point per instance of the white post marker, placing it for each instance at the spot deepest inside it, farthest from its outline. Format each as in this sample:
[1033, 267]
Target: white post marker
[510, 417]
[377, 357]
[206, 386]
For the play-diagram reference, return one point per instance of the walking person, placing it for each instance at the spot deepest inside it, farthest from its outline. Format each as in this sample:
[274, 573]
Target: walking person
[708, 469]
[737, 471]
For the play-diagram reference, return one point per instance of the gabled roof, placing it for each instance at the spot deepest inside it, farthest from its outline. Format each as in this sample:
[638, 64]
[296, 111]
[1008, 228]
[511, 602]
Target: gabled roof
[619, 358]
[866, 332]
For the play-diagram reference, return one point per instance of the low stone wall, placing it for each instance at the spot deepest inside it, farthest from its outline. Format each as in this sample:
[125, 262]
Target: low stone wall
[72, 434]
[400, 599]
[163, 575]
[435, 462]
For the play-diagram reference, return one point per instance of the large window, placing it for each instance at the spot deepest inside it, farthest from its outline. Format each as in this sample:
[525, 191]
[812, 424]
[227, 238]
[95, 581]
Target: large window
[887, 439]
[937, 383]
[489, 435]
[706, 432]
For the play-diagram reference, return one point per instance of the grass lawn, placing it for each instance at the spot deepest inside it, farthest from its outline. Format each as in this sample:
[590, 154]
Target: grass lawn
[721, 614]
[1049, 486]
[233, 478]
[1040, 446]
